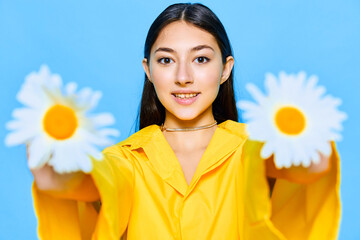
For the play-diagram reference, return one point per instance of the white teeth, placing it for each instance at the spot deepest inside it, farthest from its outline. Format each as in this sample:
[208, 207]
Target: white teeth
[185, 95]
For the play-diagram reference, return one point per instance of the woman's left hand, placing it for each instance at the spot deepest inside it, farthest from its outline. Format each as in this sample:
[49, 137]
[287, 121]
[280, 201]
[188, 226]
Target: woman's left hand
[299, 174]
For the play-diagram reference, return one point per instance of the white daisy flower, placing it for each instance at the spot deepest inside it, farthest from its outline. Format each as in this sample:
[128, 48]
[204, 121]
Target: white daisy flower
[57, 127]
[296, 121]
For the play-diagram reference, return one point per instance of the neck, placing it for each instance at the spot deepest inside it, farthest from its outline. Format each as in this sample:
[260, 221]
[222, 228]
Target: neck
[188, 140]
[188, 129]
[203, 119]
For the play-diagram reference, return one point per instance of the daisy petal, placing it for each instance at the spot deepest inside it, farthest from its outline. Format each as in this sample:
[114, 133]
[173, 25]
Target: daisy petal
[246, 105]
[84, 95]
[93, 152]
[95, 99]
[102, 119]
[325, 148]
[83, 160]
[15, 125]
[25, 113]
[70, 88]
[267, 150]
[255, 92]
[19, 137]
[85, 164]
[109, 132]
[271, 84]
[39, 152]
[64, 160]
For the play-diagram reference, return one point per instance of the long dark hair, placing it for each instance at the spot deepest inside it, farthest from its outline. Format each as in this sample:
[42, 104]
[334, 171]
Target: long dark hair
[224, 106]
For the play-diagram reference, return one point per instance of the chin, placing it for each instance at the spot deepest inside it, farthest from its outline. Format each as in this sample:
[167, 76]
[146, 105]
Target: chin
[187, 115]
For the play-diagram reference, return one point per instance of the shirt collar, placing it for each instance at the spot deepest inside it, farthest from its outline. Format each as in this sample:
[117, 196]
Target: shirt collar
[227, 137]
[146, 135]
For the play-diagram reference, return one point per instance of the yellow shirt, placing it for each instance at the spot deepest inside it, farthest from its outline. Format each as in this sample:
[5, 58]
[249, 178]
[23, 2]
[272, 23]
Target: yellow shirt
[144, 195]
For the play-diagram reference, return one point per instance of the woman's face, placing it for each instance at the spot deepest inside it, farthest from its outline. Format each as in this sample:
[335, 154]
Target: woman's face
[186, 69]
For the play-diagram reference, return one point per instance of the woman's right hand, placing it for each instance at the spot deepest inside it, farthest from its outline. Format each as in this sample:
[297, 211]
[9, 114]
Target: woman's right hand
[76, 185]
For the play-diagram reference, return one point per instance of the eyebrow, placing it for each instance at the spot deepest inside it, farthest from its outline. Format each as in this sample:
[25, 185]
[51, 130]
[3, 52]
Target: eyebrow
[197, 48]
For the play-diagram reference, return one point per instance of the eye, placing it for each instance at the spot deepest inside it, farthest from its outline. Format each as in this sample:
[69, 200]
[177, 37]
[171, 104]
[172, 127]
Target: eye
[201, 59]
[165, 60]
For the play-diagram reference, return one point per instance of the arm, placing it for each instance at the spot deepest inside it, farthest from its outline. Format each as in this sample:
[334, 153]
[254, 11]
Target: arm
[294, 210]
[64, 207]
[307, 205]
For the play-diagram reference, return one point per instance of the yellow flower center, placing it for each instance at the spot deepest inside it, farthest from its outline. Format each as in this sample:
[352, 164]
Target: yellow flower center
[60, 122]
[290, 120]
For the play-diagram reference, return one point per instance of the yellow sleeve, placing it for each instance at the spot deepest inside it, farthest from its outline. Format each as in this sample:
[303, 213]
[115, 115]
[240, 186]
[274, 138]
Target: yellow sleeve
[295, 211]
[64, 218]
[309, 211]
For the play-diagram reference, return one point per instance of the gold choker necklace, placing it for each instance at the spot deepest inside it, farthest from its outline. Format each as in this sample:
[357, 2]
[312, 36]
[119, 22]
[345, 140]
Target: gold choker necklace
[163, 128]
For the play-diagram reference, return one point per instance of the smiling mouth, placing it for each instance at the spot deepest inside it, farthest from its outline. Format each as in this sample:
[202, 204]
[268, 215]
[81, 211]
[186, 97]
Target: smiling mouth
[185, 95]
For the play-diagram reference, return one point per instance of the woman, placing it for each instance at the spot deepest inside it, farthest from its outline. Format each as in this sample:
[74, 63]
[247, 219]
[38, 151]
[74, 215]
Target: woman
[185, 175]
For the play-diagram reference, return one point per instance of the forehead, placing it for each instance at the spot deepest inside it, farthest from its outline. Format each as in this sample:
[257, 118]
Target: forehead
[182, 35]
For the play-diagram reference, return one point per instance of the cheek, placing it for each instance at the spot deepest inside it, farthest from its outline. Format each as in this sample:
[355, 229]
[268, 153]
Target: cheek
[159, 73]
[210, 80]
[160, 80]
[211, 72]
[162, 84]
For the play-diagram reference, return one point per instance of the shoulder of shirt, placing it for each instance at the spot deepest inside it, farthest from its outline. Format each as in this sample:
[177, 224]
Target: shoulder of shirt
[235, 128]
[145, 135]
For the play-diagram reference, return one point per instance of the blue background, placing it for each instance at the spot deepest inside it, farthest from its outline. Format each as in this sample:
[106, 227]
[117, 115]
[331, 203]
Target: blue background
[100, 44]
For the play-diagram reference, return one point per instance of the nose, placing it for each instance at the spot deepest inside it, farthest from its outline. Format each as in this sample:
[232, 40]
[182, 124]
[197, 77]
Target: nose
[184, 74]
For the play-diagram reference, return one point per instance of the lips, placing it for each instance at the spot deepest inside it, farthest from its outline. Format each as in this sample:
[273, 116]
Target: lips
[185, 93]
[185, 97]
